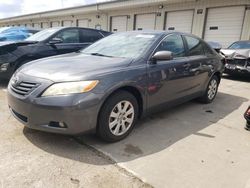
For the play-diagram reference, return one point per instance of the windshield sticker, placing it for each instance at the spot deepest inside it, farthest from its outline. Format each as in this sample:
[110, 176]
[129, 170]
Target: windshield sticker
[145, 36]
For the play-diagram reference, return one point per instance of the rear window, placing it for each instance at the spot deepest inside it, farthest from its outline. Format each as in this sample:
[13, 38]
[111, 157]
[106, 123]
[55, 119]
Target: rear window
[89, 36]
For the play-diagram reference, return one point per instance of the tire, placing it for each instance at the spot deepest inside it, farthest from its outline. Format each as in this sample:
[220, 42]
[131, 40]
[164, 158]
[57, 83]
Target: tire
[115, 124]
[211, 91]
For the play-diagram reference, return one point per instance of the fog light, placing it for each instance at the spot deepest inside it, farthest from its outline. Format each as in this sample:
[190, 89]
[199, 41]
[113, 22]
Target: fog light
[61, 124]
[4, 67]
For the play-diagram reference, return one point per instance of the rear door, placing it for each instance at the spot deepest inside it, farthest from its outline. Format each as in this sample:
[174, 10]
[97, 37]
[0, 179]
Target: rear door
[199, 62]
[169, 80]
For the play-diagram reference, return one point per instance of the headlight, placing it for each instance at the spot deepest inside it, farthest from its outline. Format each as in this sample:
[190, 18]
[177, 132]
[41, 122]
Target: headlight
[70, 88]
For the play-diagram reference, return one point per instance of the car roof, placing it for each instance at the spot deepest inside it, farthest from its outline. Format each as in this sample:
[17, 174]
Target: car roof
[159, 32]
[60, 28]
[241, 41]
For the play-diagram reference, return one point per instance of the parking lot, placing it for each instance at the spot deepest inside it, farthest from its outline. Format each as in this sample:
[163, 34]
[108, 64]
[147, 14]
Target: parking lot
[191, 145]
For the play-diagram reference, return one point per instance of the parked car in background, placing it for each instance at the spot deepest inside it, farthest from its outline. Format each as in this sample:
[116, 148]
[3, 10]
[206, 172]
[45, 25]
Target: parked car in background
[16, 33]
[237, 58]
[49, 42]
[247, 117]
[110, 84]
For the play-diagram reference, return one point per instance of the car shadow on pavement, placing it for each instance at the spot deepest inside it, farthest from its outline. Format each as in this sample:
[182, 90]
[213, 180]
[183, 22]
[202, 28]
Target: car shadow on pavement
[63, 146]
[151, 135]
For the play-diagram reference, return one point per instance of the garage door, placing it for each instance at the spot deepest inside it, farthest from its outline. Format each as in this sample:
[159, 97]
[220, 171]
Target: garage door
[119, 23]
[28, 25]
[83, 23]
[55, 24]
[180, 21]
[45, 25]
[145, 22]
[37, 25]
[224, 25]
[67, 23]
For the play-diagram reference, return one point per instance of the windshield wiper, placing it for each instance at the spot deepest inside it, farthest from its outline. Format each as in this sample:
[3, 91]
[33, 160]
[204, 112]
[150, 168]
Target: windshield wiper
[102, 55]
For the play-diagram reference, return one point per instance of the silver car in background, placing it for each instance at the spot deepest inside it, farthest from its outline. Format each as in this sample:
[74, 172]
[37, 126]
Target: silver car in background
[237, 58]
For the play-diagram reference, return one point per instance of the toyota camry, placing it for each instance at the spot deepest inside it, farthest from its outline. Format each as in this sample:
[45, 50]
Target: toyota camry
[109, 85]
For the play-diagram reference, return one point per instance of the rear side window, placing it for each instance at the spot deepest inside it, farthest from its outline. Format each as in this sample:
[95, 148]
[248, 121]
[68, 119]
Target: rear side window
[69, 36]
[174, 44]
[207, 49]
[89, 36]
[195, 46]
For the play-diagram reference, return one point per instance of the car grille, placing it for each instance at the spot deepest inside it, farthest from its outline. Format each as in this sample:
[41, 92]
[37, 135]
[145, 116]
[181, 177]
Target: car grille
[24, 88]
[241, 62]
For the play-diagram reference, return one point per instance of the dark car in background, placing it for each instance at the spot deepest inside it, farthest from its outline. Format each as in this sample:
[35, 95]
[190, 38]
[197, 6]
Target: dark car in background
[237, 58]
[49, 42]
[110, 84]
[16, 33]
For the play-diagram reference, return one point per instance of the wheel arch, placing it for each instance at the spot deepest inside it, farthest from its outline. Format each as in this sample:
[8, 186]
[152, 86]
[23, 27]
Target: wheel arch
[131, 89]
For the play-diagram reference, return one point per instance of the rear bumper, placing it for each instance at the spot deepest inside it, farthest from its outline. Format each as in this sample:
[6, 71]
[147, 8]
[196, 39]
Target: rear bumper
[78, 113]
[247, 117]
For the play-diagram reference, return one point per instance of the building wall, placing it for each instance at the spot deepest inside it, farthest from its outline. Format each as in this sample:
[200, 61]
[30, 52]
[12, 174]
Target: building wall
[101, 14]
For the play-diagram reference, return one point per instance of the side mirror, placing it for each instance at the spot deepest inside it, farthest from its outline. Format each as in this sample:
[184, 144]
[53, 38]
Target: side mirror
[55, 41]
[163, 56]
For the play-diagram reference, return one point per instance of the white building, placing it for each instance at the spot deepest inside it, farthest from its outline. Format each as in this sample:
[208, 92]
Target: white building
[224, 21]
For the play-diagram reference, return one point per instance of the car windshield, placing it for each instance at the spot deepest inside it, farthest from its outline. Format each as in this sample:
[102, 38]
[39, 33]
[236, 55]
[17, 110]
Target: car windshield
[240, 45]
[42, 35]
[125, 45]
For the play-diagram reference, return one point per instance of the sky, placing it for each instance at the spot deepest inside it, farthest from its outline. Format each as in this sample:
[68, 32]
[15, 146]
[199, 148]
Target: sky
[9, 8]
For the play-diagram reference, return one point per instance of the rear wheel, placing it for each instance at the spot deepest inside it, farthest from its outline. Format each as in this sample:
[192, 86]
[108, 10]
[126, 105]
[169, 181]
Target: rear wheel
[117, 117]
[211, 90]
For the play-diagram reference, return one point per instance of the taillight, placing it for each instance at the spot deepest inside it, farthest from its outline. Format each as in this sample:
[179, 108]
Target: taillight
[248, 112]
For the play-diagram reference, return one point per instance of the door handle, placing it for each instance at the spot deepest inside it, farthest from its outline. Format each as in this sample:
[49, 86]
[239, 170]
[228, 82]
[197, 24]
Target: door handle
[186, 65]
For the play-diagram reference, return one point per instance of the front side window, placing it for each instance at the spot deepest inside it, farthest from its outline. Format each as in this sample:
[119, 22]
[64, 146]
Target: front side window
[69, 36]
[195, 46]
[174, 44]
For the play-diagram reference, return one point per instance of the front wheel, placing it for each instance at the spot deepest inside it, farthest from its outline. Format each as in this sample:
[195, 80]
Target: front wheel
[211, 90]
[117, 117]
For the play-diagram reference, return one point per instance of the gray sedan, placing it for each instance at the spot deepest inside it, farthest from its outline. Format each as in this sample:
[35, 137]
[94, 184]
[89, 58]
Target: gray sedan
[110, 84]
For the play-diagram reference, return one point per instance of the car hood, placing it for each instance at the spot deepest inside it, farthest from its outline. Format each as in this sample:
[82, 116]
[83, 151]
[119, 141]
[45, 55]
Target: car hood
[236, 53]
[73, 67]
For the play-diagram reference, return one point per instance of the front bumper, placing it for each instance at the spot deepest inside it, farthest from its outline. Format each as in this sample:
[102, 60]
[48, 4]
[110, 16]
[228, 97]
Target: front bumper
[77, 112]
[243, 68]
